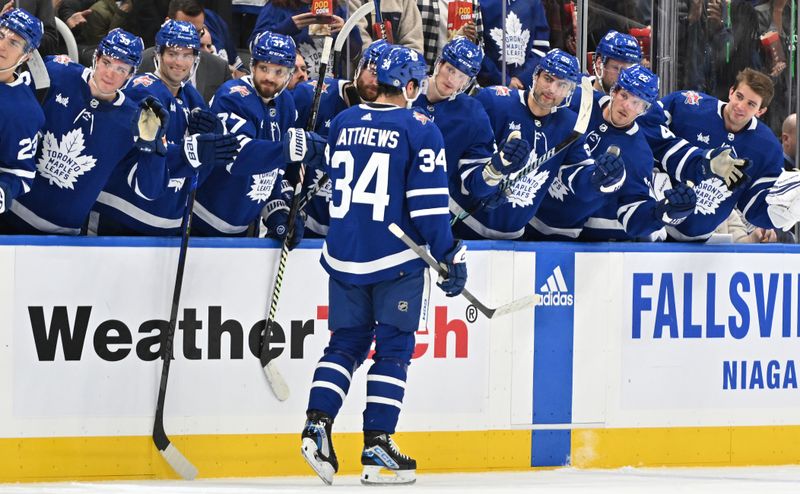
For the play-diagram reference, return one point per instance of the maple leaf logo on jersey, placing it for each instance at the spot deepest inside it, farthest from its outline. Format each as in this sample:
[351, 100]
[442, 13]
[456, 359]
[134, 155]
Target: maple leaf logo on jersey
[423, 119]
[525, 189]
[711, 192]
[692, 98]
[62, 162]
[558, 190]
[516, 39]
[243, 91]
[325, 86]
[62, 59]
[502, 91]
[262, 186]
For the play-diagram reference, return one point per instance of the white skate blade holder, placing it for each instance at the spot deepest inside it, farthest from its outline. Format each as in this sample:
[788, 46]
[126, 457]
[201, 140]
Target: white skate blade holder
[379, 475]
[323, 468]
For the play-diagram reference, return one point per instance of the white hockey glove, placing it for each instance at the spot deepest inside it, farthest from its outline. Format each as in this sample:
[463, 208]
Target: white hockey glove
[783, 200]
[151, 127]
[723, 163]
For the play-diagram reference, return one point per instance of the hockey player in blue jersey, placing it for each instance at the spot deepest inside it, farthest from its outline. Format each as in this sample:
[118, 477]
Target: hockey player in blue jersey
[20, 34]
[537, 114]
[91, 132]
[615, 52]
[625, 213]
[258, 111]
[337, 95]
[387, 166]
[706, 122]
[195, 144]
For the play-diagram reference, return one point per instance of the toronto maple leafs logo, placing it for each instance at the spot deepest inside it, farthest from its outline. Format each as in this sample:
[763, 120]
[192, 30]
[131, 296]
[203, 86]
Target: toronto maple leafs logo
[243, 91]
[525, 188]
[711, 192]
[516, 40]
[63, 162]
[692, 97]
[262, 186]
[144, 80]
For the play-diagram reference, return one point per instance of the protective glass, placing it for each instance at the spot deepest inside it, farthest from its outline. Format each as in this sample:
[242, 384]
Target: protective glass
[12, 38]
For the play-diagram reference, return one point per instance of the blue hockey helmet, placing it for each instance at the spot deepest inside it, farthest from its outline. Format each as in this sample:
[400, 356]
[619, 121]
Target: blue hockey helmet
[619, 46]
[560, 64]
[273, 48]
[374, 51]
[399, 65]
[25, 25]
[178, 34]
[464, 55]
[123, 46]
[640, 82]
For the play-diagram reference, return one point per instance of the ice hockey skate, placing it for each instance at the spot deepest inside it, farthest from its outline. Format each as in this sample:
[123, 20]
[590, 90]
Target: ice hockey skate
[317, 446]
[384, 463]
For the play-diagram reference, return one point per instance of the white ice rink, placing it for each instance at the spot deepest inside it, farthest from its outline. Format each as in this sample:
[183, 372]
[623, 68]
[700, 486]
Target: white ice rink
[758, 480]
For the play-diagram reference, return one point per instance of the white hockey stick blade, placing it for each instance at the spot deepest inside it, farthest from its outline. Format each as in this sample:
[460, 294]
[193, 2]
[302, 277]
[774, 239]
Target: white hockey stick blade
[348, 26]
[276, 381]
[585, 109]
[178, 462]
[41, 79]
[508, 308]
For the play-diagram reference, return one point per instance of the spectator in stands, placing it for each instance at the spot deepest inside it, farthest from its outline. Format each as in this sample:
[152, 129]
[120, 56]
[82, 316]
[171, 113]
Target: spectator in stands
[404, 16]
[212, 71]
[224, 46]
[293, 18]
[42, 10]
[243, 20]
[206, 44]
[527, 40]
[106, 15]
[789, 142]
[74, 13]
[145, 19]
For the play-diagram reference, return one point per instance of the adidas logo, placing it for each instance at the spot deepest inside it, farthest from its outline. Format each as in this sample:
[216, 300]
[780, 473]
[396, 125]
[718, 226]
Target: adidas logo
[368, 116]
[554, 291]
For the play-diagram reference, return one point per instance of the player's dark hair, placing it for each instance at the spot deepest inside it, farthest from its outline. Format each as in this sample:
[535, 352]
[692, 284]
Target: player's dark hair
[191, 8]
[387, 90]
[760, 83]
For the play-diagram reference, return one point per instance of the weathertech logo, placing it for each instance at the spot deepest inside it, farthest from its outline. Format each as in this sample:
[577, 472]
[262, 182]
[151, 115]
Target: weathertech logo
[554, 291]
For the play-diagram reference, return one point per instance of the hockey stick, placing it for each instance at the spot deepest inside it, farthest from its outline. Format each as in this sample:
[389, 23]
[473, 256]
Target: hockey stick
[380, 28]
[174, 457]
[508, 308]
[344, 33]
[39, 75]
[276, 381]
[581, 124]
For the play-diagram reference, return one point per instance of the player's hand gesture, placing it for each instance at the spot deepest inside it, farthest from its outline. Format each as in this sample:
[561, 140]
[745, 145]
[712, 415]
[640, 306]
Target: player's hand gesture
[678, 203]
[723, 162]
[202, 121]
[512, 157]
[609, 173]
[151, 126]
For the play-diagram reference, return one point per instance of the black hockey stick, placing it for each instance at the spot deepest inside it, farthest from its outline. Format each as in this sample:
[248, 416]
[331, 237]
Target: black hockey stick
[174, 457]
[581, 124]
[276, 381]
[516, 305]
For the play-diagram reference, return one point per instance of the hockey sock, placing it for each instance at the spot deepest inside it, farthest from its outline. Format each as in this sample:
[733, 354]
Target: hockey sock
[386, 385]
[331, 383]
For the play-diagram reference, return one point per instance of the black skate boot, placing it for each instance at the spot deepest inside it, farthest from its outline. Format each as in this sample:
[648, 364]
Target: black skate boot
[317, 446]
[382, 454]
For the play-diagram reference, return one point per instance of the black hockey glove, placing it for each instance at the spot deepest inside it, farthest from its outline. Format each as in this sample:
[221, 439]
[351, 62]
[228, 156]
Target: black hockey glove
[678, 203]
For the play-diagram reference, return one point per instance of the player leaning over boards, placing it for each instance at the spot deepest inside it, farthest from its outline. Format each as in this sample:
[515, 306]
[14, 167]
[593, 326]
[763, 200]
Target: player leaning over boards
[768, 197]
[258, 111]
[91, 130]
[20, 34]
[193, 142]
[629, 211]
[378, 287]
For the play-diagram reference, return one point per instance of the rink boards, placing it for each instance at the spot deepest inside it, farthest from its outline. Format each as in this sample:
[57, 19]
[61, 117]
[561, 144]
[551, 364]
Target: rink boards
[641, 355]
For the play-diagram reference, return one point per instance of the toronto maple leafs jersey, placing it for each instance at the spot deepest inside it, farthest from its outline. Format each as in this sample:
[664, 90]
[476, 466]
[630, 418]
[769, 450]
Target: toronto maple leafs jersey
[232, 197]
[332, 101]
[527, 40]
[85, 141]
[697, 118]
[18, 136]
[387, 165]
[162, 215]
[626, 214]
[508, 111]
[465, 127]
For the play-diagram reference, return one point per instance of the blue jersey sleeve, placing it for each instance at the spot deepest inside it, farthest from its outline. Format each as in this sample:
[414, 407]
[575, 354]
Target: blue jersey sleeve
[19, 143]
[763, 174]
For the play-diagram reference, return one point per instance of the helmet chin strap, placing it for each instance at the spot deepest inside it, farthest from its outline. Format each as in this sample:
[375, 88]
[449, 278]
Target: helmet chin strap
[599, 75]
[22, 59]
